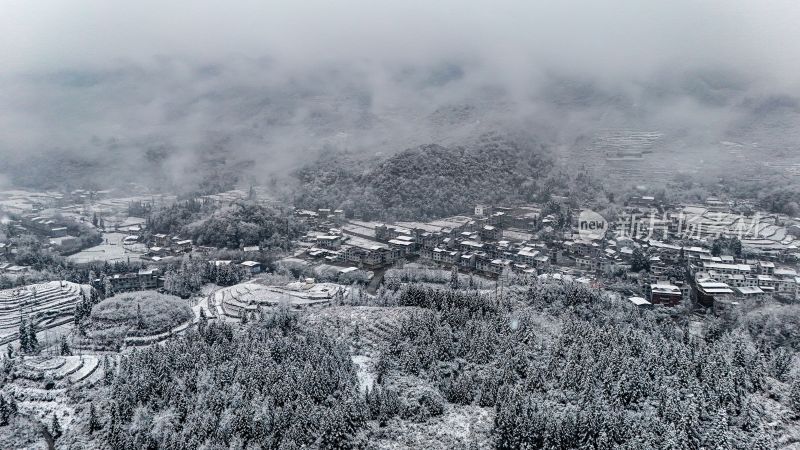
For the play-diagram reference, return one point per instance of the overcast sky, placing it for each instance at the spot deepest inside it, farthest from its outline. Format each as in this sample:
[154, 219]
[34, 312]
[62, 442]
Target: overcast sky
[151, 86]
[614, 38]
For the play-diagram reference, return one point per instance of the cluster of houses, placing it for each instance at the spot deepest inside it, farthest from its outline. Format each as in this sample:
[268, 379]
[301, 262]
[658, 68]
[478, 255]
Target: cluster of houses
[493, 239]
[163, 247]
[145, 279]
[727, 281]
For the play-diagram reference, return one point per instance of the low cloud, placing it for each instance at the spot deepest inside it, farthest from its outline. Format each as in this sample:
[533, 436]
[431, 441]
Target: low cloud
[153, 90]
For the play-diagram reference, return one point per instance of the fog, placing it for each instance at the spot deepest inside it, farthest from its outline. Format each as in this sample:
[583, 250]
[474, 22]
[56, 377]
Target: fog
[150, 91]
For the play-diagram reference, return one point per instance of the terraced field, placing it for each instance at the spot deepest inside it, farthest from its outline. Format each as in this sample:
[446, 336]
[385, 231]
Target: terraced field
[46, 386]
[45, 303]
[231, 301]
[64, 370]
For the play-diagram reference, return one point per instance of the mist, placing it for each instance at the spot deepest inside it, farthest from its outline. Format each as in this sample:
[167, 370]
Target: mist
[167, 94]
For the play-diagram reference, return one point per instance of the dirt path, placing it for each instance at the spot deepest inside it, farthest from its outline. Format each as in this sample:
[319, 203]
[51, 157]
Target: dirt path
[375, 282]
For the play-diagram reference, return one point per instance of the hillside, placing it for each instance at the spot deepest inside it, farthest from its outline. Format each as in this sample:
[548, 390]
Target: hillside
[426, 181]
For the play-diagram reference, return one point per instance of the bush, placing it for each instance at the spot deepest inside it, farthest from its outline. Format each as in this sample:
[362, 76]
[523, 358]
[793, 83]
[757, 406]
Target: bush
[775, 325]
[138, 314]
[422, 404]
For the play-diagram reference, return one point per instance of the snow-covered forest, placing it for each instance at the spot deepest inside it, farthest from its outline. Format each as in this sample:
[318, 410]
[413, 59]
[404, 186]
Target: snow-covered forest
[547, 365]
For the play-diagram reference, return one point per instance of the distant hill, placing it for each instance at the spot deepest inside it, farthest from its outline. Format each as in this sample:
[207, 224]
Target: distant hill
[426, 181]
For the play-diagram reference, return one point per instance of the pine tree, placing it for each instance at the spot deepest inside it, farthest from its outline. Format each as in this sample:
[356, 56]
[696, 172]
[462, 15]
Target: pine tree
[65, 350]
[639, 261]
[5, 412]
[382, 368]
[94, 423]
[8, 409]
[243, 316]
[139, 320]
[108, 373]
[33, 341]
[23, 337]
[202, 321]
[717, 435]
[56, 427]
[762, 441]
[10, 351]
[454, 277]
[794, 396]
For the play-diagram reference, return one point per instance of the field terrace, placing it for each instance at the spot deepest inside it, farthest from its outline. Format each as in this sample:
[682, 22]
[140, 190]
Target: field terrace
[248, 297]
[52, 301]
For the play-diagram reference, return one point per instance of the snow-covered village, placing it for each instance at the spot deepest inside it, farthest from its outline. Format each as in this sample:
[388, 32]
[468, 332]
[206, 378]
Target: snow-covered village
[411, 225]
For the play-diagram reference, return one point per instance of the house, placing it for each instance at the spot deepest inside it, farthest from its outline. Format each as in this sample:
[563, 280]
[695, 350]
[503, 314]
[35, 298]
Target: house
[527, 255]
[694, 253]
[329, 241]
[133, 281]
[121, 282]
[157, 251]
[483, 264]
[732, 269]
[253, 267]
[16, 269]
[491, 233]
[58, 232]
[665, 294]
[709, 291]
[160, 240]
[183, 245]
[426, 253]
[766, 281]
[640, 302]
[483, 210]
[404, 244]
[467, 261]
[645, 201]
[749, 292]
[470, 246]
[445, 256]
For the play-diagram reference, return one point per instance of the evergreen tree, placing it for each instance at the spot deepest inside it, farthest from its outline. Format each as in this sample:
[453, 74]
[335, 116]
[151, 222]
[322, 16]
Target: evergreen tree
[94, 423]
[9, 351]
[454, 277]
[716, 433]
[55, 427]
[24, 345]
[8, 409]
[639, 261]
[794, 396]
[5, 411]
[108, 372]
[202, 322]
[64, 348]
[716, 248]
[139, 319]
[33, 341]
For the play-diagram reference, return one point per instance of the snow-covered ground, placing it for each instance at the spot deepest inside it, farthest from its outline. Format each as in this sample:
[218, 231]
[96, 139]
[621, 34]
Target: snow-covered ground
[366, 378]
